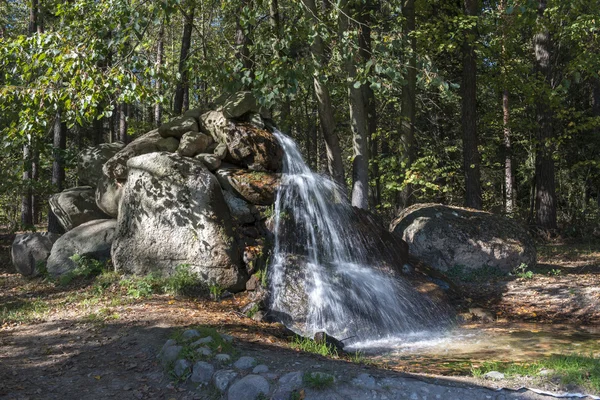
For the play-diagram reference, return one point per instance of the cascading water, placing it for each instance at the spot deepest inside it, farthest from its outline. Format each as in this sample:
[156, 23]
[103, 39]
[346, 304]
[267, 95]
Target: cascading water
[322, 273]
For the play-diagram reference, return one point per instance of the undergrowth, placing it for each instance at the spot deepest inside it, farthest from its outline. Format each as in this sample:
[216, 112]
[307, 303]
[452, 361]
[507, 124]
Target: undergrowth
[310, 346]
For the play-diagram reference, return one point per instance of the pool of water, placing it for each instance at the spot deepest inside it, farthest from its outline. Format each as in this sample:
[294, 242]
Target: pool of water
[455, 350]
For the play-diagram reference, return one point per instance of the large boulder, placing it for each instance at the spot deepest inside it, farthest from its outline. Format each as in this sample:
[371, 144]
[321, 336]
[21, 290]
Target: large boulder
[91, 159]
[172, 213]
[445, 236]
[75, 206]
[239, 104]
[108, 195]
[30, 249]
[255, 187]
[151, 142]
[92, 239]
[178, 127]
[193, 143]
[248, 146]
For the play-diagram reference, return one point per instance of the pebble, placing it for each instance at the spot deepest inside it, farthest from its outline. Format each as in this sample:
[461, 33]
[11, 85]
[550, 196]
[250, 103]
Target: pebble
[245, 362]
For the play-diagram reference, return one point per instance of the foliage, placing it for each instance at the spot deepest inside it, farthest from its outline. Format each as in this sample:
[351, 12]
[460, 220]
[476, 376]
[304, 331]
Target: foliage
[86, 267]
[317, 380]
[522, 271]
[310, 346]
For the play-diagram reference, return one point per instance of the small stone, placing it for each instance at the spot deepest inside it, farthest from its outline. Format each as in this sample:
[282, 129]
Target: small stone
[494, 375]
[210, 161]
[249, 388]
[204, 340]
[169, 354]
[202, 372]
[204, 351]
[546, 372]
[193, 143]
[190, 333]
[260, 369]
[223, 378]
[221, 151]
[226, 338]
[245, 362]
[181, 368]
[256, 120]
[223, 358]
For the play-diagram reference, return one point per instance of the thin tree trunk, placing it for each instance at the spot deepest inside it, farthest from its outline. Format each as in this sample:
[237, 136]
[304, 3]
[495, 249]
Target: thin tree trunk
[408, 110]
[26, 205]
[358, 119]
[123, 111]
[157, 84]
[471, 157]
[33, 17]
[35, 176]
[545, 197]
[59, 144]
[509, 181]
[183, 82]
[335, 165]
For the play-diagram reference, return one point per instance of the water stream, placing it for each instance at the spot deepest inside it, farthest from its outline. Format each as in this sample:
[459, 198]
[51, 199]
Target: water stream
[322, 273]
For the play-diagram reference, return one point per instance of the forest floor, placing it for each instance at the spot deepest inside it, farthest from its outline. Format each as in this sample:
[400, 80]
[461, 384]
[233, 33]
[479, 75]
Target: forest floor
[96, 339]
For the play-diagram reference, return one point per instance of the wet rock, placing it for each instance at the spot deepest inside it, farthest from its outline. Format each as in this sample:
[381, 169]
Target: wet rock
[239, 104]
[108, 195]
[172, 213]
[240, 210]
[29, 250]
[245, 362]
[92, 240]
[151, 142]
[445, 237]
[223, 378]
[210, 161]
[193, 143]
[91, 159]
[254, 187]
[177, 127]
[181, 368]
[202, 372]
[249, 388]
[75, 206]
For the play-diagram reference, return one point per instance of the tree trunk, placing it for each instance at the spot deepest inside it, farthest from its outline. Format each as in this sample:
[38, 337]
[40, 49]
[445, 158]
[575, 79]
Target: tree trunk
[408, 111]
[471, 158]
[358, 117]
[545, 197]
[59, 144]
[183, 82]
[33, 17]
[335, 165]
[26, 205]
[157, 83]
[509, 181]
[35, 176]
[123, 109]
[242, 45]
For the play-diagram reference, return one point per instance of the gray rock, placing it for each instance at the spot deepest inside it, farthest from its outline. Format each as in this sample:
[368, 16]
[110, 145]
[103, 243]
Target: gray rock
[226, 338]
[245, 362]
[190, 333]
[260, 369]
[204, 340]
[223, 358]
[182, 368]
[30, 249]
[92, 240]
[194, 112]
[178, 127]
[204, 351]
[365, 381]
[249, 388]
[210, 161]
[151, 142]
[221, 151]
[202, 372]
[193, 143]
[75, 206]
[239, 104]
[256, 120]
[494, 375]
[91, 159]
[108, 196]
[172, 213]
[445, 236]
[241, 211]
[223, 378]
[255, 187]
[169, 353]
[291, 380]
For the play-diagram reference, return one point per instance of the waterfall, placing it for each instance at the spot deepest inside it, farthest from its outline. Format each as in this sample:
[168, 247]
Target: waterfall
[322, 274]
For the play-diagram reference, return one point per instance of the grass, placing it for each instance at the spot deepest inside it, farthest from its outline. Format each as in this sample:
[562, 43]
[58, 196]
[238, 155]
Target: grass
[24, 311]
[317, 380]
[577, 369]
[218, 344]
[310, 346]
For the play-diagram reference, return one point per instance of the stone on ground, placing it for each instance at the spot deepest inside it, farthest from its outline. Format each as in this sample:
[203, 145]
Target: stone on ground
[245, 362]
[202, 372]
[223, 378]
[260, 369]
[173, 213]
[190, 333]
[181, 368]
[75, 206]
[445, 237]
[29, 250]
[92, 240]
[249, 388]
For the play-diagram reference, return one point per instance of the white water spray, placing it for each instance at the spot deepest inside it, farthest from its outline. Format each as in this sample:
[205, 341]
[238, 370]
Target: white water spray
[322, 273]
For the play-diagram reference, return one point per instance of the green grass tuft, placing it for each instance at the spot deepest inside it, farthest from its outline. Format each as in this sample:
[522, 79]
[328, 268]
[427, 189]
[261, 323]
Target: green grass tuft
[310, 346]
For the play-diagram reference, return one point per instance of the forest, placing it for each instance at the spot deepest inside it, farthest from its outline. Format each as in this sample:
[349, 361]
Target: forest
[492, 105]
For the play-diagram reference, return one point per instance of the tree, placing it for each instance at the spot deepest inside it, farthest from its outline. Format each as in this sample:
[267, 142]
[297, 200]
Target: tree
[59, 145]
[182, 100]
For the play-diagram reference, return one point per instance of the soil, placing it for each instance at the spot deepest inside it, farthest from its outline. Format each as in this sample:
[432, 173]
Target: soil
[78, 345]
